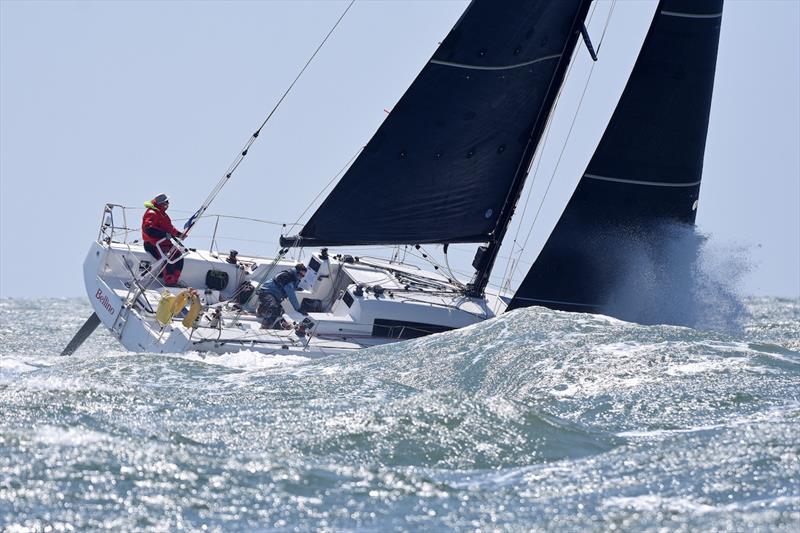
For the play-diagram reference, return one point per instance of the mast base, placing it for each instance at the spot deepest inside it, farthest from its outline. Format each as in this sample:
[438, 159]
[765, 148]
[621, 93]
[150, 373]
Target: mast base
[473, 291]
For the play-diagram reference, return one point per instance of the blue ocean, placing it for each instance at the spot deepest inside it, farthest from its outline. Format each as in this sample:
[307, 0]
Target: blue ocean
[535, 421]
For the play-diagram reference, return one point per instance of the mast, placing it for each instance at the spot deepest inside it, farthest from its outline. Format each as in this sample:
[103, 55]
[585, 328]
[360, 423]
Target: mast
[487, 255]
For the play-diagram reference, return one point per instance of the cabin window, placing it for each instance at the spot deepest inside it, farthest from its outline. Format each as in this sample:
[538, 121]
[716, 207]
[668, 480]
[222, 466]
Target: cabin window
[402, 329]
[348, 299]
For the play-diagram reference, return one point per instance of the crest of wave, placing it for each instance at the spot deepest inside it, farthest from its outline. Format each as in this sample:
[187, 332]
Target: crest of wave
[587, 369]
[536, 352]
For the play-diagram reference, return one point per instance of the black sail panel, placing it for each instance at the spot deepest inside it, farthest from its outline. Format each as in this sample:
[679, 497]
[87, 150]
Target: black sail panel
[642, 184]
[440, 167]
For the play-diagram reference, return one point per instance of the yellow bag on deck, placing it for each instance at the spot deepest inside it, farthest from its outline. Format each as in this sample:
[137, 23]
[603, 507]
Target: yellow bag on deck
[164, 312]
[194, 310]
[170, 305]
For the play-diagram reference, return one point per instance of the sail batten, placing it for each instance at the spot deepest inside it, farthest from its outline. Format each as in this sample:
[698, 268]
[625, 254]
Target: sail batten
[641, 182]
[497, 67]
[440, 167]
[691, 15]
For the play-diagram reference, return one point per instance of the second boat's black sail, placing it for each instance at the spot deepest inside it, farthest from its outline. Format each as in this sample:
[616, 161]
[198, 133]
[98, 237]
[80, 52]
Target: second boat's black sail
[640, 190]
[441, 166]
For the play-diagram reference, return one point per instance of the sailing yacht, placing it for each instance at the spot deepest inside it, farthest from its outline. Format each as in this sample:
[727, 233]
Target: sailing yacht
[448, 165]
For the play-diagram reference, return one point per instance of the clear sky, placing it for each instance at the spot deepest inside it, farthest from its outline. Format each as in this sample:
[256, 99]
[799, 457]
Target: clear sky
[117, 101]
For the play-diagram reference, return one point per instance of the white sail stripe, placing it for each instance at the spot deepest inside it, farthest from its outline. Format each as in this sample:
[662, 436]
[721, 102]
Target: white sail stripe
[638, 182]
[691, 15]
[552, 301]
[505, 67]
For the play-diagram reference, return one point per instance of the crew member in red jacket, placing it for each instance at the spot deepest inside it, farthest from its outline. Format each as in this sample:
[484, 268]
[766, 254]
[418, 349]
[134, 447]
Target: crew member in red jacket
[156, 225]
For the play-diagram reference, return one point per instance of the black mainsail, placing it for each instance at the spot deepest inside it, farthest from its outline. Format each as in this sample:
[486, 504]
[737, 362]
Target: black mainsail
[445, 164]
[644, 177]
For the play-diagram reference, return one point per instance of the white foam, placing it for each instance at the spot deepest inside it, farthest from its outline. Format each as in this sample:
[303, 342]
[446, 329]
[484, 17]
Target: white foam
[57, 436]
[666, 432]
[610, 320]
[15, 366]
[565, 390]
[775, 414]
[706, 367]
[780, 501]
[654, 502]
[695, 368]
[793, 360]
[56, 383]
[246, 360]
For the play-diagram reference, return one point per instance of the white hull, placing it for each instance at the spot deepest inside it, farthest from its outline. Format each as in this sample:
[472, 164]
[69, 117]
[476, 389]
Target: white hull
[394, 302]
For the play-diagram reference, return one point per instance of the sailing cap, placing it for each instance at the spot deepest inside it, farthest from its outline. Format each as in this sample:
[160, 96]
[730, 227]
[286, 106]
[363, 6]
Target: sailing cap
[161, 199]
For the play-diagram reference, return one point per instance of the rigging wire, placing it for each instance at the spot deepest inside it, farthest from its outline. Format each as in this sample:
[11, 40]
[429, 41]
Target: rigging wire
[429, 258]
[483, 274]
[564, 146]
[608, 19]
[447, 263]
[240, 157]
[540, 151]
[325, 188]
[512, 265]
[249, 219]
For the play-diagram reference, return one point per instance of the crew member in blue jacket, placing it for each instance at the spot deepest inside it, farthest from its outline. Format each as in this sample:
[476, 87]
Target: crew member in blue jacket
[273, 292]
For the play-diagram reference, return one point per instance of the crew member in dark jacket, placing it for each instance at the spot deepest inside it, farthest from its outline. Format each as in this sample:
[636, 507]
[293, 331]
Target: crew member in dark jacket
[273, 292]
[156, 225]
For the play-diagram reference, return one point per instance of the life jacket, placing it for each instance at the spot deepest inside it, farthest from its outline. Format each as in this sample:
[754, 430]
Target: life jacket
[158, 220]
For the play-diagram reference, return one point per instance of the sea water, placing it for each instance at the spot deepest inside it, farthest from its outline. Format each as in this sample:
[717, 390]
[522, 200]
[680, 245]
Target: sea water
[537, 420]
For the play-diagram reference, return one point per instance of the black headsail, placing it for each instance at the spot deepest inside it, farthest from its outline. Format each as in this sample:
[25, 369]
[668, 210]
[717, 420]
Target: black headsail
[441, 166]
[644, 178]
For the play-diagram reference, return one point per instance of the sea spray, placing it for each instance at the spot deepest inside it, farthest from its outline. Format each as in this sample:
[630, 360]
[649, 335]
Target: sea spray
[676, 275]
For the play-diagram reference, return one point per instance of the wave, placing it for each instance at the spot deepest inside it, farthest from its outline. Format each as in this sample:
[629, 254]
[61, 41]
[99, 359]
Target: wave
[451, 430]
[537, 419]
[588, 369]
[528, 387]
